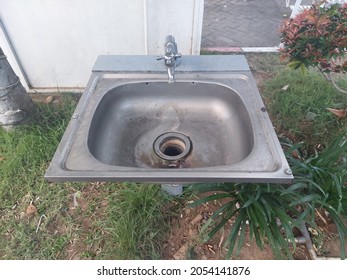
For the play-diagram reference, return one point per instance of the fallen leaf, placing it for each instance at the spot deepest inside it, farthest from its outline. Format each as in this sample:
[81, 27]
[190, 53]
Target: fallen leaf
[181, 254]
[2, 158]
[197, 219]
[340, 113]
[48, 99]
[296, 154]
[285, 87]
[31, 210]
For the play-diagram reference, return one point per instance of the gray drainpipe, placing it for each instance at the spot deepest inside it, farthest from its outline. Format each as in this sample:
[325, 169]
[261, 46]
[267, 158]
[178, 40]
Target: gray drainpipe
[16, 106]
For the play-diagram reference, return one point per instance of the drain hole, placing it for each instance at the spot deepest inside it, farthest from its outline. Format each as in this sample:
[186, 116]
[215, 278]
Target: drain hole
[172, 150]
[172, 146]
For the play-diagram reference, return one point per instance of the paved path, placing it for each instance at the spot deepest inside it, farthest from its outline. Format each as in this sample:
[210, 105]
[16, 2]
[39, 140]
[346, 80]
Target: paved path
[243, 23]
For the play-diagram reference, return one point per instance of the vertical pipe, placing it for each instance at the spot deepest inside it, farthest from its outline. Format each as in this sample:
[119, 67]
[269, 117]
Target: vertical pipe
[172, 189]
[198, 11]
[145, 26]
[25, 79]
[16, 106]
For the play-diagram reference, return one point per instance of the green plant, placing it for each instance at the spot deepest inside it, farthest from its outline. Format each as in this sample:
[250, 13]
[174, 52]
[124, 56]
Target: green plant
[270, 211]
[138, 220]
[320, 183]
[258, 208]
[317, 37]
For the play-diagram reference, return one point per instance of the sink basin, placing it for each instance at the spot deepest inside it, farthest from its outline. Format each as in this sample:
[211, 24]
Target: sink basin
[210, 125]
[129, 119]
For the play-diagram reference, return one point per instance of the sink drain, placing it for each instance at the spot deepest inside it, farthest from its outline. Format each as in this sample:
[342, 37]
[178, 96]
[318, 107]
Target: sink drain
[172, 146]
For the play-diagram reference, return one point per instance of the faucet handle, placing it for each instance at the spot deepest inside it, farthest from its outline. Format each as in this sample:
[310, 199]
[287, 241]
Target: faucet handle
[161, 57]
[169, 56]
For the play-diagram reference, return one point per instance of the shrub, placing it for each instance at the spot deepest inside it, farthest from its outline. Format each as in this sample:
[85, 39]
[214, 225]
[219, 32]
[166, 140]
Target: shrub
[317, 37]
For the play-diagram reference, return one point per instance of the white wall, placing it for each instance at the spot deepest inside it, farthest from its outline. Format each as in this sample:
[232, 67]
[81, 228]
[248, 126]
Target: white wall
[57, 41]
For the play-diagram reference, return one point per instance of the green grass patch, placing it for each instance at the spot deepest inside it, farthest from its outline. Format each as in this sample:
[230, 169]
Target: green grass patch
[138, 219]
[109, 221]
[301, 109]
[25, 153]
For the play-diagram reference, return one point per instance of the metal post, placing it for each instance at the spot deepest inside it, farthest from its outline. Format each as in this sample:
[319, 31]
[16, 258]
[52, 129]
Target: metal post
[172, 189]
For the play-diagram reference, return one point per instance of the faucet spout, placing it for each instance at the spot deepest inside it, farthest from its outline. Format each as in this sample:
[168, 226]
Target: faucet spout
[170, 57]
[171, 74]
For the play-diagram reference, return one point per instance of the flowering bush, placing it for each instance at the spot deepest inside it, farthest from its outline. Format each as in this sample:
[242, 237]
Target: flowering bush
[317, 37]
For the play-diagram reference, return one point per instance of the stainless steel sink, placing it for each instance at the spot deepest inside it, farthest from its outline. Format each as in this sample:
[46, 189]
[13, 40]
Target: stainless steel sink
[130, 118]
[210, 125]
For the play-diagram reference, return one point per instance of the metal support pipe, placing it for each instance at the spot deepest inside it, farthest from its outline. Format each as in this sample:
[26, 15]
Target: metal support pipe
[173, 189]
[16, 106]
[7, 41]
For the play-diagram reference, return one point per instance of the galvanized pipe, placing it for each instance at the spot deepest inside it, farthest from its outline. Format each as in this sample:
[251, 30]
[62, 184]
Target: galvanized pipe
[16, 106]
[172, 189]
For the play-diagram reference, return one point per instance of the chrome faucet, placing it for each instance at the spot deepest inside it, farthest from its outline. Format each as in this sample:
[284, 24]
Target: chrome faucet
[171, 54]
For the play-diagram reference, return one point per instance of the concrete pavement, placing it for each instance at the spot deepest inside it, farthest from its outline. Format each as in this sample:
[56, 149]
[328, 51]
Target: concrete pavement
[229, 24]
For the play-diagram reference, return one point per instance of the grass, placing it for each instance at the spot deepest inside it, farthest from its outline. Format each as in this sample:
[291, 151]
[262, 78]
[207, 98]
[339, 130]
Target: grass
[138, 225]
[301, 109]
[111, 221]
[25, 153]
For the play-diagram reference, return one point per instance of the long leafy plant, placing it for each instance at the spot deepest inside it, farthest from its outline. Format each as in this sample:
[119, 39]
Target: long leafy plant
[270, 212]
[258, 208]
[320, 183]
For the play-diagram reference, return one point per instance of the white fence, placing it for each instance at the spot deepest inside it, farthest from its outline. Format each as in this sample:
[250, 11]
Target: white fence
[297, 7]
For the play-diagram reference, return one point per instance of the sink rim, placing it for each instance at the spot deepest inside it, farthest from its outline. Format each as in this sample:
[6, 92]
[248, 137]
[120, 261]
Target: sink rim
[59, 170]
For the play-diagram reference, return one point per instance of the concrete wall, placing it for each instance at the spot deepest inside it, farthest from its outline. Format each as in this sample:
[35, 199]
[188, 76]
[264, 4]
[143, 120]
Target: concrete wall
[57, 41]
